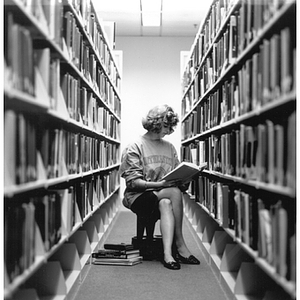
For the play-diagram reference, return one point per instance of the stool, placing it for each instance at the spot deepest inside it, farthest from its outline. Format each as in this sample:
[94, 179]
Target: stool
[150, 246]
[141, 225]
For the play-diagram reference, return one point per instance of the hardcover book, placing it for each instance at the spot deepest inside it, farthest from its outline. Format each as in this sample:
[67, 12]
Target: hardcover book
[106, 253]
[120, 246]
[118, 261]
[184, 172]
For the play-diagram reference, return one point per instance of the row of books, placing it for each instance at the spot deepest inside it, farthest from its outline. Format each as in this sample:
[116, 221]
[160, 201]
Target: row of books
[54, 213]
[238, 108]
[77, 97]
[83, 153]
[275, 237]
[20, 222]
[78, 152]
[47, 14]
[254, 16]
[83, 105]
[78, 49]
[75, 94]
[86, 58]
[215, 20]
[99, 118]
[82, 198]
[93, 191]
[117, 255]
[20, 140]
[194, 152]
[82, 195]
[209, 29]
[85, 14]
[110, 181]
[264, 225]
[19, 245]
[224, 51]
[36, 72]
[248, 20]
[83, 9]
[54, 18]
[265, 152]
[264, 77]
[42, 141]
[29, 149]
[89, 194]
[18, 53]
[106, 59]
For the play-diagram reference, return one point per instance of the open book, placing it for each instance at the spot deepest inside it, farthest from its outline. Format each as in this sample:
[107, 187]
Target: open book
[184, 172]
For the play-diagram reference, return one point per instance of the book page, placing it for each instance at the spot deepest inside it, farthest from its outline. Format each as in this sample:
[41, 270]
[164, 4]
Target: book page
[184, 171]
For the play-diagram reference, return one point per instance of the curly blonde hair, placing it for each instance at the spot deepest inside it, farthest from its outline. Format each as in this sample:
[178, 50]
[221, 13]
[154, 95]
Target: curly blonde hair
[159, 116]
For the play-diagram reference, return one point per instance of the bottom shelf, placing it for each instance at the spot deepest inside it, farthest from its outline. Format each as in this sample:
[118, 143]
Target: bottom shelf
[55, 279]
[238, 272]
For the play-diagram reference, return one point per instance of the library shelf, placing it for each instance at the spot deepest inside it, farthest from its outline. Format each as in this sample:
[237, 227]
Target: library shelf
[226, 253]
[281, 190]
[84, 237]
[24, 101]
[265, 31]
[238, 115]
[259, 111]
[61, 138]
[43, 183]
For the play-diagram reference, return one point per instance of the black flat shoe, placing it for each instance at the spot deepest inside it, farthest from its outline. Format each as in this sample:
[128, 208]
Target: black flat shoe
[172, 265]
[191, 260]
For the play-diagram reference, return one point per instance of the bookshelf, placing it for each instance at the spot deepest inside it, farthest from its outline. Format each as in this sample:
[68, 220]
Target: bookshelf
[238, 115]
[62, 110]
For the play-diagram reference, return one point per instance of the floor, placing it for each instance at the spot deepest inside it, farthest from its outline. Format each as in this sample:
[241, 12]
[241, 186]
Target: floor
[148, 280]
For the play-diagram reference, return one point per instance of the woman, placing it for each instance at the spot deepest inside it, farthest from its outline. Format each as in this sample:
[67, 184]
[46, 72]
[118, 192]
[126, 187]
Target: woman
[143, 164]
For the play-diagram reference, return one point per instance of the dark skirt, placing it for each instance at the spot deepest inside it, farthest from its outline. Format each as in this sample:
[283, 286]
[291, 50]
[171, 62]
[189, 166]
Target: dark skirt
[146, 206]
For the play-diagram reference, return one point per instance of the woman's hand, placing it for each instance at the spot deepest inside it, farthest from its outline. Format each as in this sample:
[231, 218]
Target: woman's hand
[169, 183]
[142, 185]
[181, 185]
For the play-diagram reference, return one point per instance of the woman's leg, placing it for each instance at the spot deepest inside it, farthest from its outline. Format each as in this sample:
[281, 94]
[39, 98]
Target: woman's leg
[167, 225]
[171, 219]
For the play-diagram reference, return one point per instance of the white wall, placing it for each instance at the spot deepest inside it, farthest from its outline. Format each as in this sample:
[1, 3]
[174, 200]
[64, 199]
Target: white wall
[151, 76]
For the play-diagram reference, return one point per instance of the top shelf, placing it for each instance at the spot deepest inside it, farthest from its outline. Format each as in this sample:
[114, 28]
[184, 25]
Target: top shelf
[198, 57]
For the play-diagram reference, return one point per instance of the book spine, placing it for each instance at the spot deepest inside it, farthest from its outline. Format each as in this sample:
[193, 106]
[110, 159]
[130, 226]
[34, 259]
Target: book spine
[109, 255]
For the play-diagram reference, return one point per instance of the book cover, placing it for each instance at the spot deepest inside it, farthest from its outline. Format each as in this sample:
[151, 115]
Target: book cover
[117, 254]
[237, 214]
[21, 149]
[282, 241]
[270, 176]
[185, 171]
[292, 263]
[10, 147]
[265, 231]
[225, 206]
[245, 203]
[291, 152]
[119, 246]
[118, 261]
[279, 154]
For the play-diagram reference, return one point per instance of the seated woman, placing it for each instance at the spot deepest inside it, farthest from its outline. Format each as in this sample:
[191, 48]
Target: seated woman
[143, 164]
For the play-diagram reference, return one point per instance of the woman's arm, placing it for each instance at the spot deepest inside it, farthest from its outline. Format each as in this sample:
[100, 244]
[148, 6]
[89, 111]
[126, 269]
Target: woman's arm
[142, 185]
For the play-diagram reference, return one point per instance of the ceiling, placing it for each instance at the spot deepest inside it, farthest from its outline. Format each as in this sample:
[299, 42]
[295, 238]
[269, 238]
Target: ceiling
[179, 17]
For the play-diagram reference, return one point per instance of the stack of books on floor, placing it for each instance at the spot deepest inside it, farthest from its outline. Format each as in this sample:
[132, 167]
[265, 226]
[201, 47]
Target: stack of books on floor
[117, 254]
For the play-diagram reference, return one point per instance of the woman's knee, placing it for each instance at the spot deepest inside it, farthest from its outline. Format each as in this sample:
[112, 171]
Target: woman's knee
[165, 204]
[176, 194]
[170, 193]
[175, 190]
